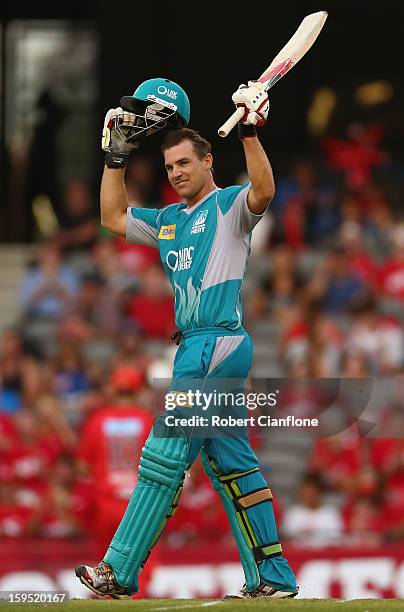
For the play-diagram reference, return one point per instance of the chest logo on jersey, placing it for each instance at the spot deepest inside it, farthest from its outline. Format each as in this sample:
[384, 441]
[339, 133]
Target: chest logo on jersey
[180, 260]
[198, 226]
[167, 232]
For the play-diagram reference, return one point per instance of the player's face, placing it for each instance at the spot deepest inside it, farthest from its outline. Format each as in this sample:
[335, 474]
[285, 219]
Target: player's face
[186, 172]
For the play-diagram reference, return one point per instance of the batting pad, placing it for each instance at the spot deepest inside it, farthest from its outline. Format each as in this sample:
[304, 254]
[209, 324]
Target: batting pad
[154, 500]
[252, 576]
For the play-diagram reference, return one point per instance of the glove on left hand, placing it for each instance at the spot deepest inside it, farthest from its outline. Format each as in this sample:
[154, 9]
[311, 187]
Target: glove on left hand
[116, 134]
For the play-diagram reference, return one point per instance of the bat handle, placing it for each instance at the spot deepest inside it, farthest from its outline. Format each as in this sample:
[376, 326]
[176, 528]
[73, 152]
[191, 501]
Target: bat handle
[231, 122]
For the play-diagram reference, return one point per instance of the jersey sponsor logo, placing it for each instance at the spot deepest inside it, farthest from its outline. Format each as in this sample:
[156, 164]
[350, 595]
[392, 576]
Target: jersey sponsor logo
[167, 232]
[198, 226]
[180, 260]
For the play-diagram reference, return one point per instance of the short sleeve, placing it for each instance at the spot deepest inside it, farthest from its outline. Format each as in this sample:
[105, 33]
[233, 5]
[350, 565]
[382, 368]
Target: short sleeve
[141, 226]
[233, 204]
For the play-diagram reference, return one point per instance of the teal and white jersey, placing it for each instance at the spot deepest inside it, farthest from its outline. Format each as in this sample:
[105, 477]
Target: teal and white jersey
[204, 250]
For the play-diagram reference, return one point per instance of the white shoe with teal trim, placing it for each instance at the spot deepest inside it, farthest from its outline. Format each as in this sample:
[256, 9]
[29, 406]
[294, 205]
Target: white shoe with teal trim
[263, 590]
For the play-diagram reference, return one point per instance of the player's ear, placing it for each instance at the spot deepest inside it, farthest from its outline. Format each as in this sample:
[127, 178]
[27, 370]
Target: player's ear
[208, 161]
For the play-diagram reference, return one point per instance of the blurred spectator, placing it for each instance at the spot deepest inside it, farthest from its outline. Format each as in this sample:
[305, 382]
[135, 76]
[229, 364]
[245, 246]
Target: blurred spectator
[311, 522]
[56, 516]
[299, 183]
[364, 522]
[135, 258]
[325, 345]
[294, 193]
[338, 458]
[377, 336]
[357, 155]
[97, 308]
[140, 181]
[152, 309]
[388, 460]
[30, 458]
[53, 427]
[378, 224]
[355, 364]
[70, 381]
[112, 267]
[78, 220]
[48, 289]
[392, 271]
[306, 211]
[363, 265]
[312, 339]
[351, 208]
[19, 373]
[14, 517]
[336, 283]
[279, 290]
[131, 351]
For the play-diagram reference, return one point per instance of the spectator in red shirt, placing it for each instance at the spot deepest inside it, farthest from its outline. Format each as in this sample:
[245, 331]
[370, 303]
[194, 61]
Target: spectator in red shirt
[31, 456]
[351, 238]
[152, 309]
[339, 460]
[7, 437]
[14, 517]
[388, 460]
[364, 521]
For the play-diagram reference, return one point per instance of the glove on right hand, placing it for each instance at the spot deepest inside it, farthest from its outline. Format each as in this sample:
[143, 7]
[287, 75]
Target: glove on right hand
[255, 101]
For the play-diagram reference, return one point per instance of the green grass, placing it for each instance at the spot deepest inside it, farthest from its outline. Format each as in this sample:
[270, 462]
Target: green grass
[258, 605]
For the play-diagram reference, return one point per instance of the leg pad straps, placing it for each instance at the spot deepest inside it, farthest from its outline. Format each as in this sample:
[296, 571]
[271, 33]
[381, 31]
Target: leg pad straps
[236, 503]
[253, 498]
[220, 483]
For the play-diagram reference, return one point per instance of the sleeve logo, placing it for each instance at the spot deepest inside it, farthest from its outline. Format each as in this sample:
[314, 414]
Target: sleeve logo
[167, 232]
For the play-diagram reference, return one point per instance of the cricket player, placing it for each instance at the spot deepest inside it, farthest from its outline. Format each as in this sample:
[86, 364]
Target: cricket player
[204, 244]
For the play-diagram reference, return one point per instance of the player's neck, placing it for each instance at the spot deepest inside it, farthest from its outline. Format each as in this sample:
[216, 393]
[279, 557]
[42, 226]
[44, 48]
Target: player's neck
[207, 188]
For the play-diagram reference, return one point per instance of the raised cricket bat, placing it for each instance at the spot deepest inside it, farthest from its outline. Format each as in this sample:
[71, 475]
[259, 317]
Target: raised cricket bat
[291, 53]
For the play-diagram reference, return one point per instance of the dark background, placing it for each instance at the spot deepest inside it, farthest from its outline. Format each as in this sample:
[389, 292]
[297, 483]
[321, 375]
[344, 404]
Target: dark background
[210, 47]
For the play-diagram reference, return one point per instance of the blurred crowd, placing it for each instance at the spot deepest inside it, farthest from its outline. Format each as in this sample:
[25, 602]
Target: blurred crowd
[92, 336]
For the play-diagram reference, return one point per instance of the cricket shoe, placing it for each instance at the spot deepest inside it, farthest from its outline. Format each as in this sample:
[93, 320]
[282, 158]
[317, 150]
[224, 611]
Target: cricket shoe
[101, 580]
[263, 590]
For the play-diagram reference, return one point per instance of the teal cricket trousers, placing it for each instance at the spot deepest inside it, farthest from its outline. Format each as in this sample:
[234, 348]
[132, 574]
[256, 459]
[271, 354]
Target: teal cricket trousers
[216, 357]
[213, 359]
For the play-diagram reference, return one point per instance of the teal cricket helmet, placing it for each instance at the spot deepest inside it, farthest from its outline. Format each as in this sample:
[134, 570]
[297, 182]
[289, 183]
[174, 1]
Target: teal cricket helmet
[158, 103]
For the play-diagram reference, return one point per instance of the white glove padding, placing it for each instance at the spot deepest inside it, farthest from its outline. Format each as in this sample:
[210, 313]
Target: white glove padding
[118, 128]
[255, 101]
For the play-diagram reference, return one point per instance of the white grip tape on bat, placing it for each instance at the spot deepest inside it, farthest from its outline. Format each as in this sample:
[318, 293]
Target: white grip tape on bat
[231, 122]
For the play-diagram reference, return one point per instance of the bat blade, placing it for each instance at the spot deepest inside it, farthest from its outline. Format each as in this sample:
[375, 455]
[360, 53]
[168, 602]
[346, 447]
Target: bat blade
[290, 54]
[301, 41]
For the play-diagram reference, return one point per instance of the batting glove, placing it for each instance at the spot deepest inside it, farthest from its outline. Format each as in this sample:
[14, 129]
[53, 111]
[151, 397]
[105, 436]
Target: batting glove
[118, 129]
[255, 101]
